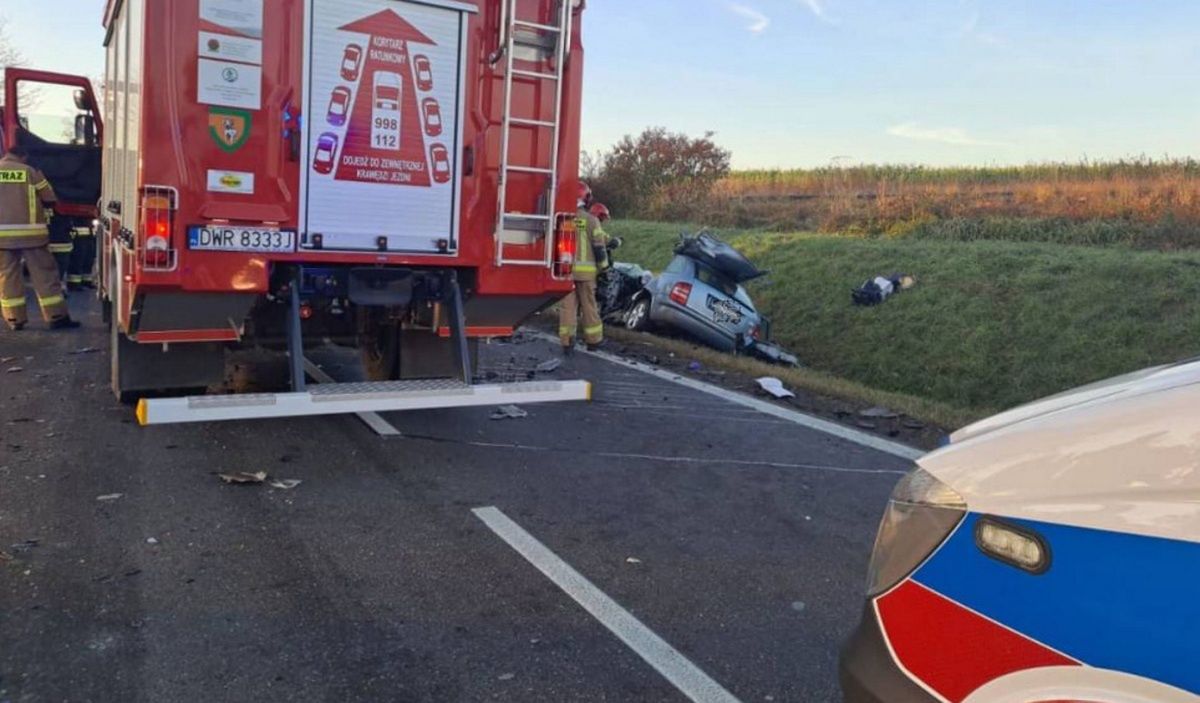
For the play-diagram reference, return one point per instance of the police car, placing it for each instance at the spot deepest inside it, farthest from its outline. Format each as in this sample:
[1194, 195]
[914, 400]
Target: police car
[1050, 554]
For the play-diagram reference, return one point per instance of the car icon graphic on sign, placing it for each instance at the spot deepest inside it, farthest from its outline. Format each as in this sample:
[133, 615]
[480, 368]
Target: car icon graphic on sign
[440, 156]
[387, 91]
[424, 73]
[433, 117]
[339, 106]
[327, 145]
[351, 62]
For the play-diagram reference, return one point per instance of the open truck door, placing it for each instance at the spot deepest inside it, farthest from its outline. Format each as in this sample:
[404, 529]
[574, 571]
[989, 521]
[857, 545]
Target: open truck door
[56, 118]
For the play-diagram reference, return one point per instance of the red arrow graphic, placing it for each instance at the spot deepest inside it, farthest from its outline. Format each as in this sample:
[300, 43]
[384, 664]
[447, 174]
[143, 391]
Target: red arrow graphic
[392, 154]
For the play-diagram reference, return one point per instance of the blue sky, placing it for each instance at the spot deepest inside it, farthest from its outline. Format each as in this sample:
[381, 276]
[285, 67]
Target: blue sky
[788, 83]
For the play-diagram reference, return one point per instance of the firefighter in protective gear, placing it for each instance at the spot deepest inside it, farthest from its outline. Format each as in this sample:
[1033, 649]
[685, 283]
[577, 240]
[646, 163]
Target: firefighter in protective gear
[83, 255]
[24, 238]
[61, 245]
[591, 256]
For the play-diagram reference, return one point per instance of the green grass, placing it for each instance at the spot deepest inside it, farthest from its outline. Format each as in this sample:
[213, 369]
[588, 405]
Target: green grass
[991, 324]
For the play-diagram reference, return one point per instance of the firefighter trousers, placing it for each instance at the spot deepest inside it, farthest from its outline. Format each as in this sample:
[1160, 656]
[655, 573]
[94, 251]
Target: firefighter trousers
[83, 260]
[580, 303]
[43, 274]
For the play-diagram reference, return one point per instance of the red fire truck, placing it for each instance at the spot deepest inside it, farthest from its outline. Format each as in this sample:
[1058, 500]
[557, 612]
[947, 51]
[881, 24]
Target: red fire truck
[239, 209]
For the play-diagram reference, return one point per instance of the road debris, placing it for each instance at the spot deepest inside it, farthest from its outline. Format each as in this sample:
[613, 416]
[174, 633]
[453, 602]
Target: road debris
[244, 477]
[549, 366]
[151, 540]
[775, 387]
[7, 359]
[84, 350]
[509, 412]
[507, 677]
[285, 484]
[633, 560]
[694, 366]
[798, 606]
[23, 547]
[878, 413]
[110, 497]
[14, 369]
[5, 556]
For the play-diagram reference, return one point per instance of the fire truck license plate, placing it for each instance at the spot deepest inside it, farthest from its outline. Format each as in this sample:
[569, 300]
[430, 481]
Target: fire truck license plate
[261, 239]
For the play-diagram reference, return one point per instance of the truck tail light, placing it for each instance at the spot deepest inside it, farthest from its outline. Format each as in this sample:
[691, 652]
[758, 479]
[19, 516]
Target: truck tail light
[158, 228]
[681, 292]
[564, 248]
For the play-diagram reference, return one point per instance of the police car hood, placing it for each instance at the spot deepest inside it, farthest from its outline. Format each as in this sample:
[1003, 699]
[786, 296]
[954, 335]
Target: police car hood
[1121, 455]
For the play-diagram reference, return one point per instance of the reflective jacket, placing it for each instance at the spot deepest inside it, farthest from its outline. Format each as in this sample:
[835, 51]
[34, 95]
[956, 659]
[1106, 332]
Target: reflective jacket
[24, 194]
[590, 237]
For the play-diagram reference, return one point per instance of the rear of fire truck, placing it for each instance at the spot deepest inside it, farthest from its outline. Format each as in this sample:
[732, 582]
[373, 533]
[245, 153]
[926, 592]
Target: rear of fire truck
[397, 176]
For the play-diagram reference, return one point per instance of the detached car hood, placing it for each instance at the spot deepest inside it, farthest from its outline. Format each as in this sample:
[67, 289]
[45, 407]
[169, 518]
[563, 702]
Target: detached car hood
[1119, 455]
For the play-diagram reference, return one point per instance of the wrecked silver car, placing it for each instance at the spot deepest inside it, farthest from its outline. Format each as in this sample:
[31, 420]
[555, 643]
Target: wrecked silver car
[700, 294]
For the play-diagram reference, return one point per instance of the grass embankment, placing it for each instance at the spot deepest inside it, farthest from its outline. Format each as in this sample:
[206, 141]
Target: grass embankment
[991, 324]
[1141, 203]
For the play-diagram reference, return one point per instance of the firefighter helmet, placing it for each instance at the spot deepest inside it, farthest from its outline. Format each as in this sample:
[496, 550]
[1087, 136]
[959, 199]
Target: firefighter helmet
[600, 210]
[585, 194]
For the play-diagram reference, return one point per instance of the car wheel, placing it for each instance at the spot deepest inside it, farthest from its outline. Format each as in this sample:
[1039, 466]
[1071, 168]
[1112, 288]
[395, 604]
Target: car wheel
[638, 317]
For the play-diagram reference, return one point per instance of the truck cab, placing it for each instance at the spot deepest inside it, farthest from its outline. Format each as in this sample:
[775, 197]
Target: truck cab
[57, 119]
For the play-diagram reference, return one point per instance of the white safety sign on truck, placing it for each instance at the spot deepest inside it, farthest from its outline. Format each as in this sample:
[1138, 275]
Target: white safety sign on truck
[371, 154]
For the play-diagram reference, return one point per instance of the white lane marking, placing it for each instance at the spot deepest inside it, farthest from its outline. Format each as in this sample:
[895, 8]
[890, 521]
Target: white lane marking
[665, 659]
[861, 438]
[680, 459]
[708, 418]
[380, 426]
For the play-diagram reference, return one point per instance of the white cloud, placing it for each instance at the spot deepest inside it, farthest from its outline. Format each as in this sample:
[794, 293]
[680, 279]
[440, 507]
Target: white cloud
[818, 10]
[955, 136]
[758, 21]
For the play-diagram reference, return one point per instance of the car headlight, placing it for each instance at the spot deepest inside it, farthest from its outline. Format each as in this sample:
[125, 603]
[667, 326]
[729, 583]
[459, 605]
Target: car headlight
[921, 514]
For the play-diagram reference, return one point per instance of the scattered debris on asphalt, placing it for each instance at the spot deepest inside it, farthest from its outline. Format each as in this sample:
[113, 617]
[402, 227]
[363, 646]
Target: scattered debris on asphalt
[798, 606]
[151, 540]
[85, 350]
[549, 366]
[5, 556]
[110, 497]
[285, 484]
[509, 412]
[7, 359]
[633, 560]
[880, 288]
[14, 369]
[23, 547]
[507, 677]
[242, 478]
[775, 387]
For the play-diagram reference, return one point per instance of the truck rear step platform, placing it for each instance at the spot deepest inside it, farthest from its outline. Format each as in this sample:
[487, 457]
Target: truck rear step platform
[350, 398]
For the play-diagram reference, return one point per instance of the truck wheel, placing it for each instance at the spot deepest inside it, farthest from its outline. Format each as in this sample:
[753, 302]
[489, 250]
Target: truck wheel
[638, 317]
[380, 351]
[119, 363]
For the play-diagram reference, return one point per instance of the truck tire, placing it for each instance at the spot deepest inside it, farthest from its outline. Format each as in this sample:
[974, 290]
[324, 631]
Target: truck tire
[118, 363]
[638, 317]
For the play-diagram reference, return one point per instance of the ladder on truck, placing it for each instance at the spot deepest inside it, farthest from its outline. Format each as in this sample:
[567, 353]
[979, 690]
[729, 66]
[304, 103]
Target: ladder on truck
[541, 44]
[362, 397]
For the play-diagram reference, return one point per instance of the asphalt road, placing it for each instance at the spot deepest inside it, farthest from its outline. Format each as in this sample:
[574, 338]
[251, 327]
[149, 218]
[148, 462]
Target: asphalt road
[739, 539]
